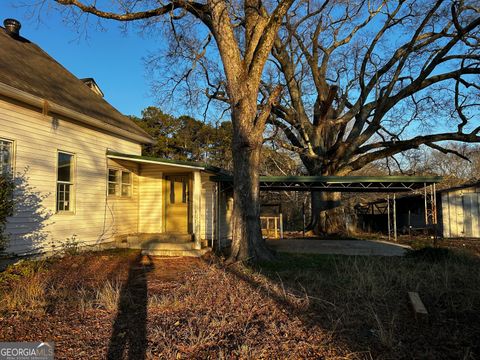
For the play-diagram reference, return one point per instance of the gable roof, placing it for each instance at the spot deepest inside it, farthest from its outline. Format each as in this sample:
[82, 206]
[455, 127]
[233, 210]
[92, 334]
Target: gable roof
[24, 66]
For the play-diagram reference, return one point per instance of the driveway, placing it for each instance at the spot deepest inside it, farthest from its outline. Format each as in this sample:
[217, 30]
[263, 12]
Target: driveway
[338, 247]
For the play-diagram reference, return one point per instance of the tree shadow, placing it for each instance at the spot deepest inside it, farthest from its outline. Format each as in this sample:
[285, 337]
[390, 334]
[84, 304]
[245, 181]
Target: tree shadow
[313, 313]
[129, 334]
[27, 228]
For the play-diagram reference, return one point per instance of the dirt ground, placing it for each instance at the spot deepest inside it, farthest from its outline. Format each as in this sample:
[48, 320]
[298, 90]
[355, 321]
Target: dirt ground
[120, 305]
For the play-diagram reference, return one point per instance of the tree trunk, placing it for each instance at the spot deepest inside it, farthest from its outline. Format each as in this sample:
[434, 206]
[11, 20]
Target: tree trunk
[247, 241]
[328, 216]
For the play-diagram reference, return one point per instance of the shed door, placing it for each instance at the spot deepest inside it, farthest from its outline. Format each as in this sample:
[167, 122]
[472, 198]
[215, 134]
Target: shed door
[176, 203]
[470, 211]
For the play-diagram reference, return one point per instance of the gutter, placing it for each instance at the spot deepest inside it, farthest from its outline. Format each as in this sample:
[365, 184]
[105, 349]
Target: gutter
[126, 158]
[45, 105]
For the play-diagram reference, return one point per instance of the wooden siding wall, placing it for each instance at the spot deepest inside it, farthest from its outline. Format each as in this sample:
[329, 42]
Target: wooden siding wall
[461, 213]
[226, 208]
[35, 225]
[151, 200]
[124, 209]
[207, 208]
[208, 211]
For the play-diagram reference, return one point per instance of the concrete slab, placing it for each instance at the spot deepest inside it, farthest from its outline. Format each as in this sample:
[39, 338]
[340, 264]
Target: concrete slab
[338, 247]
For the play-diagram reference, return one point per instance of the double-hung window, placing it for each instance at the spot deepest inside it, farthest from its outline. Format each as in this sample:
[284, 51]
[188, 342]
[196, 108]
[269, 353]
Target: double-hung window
[6, 156]
[113, 183]
[126, 183]
[65, 182]
[119, 183]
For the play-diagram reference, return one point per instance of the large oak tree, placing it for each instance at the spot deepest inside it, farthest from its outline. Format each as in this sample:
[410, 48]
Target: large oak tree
[367, 80]
[244, 33]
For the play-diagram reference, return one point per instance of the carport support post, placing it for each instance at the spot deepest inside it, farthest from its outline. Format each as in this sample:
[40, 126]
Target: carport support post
[196, 210]
[388, 216]
[395, 216]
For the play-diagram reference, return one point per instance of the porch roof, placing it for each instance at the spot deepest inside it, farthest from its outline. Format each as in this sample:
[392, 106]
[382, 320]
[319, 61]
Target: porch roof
[381, 184]
[164, 162]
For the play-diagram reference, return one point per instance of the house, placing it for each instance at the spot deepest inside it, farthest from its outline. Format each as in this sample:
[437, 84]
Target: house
[457, 212]
[78, 167]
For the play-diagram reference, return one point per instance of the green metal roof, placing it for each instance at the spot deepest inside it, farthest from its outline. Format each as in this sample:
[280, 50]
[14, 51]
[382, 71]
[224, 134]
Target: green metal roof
[341, 183]
[150, 159]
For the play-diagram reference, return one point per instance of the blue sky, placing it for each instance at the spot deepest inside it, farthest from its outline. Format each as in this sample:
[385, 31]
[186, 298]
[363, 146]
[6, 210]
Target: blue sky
[112, 58]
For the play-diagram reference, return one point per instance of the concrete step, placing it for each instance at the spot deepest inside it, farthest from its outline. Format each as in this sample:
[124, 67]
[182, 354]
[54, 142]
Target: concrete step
[154, 246]
[166, 237]
[176, 253]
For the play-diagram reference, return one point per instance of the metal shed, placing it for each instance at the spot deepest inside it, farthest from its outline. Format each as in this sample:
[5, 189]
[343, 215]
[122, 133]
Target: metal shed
[461, 211]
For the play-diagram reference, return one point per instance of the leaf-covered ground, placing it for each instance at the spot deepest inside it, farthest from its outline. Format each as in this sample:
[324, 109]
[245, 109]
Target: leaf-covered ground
[123, 305]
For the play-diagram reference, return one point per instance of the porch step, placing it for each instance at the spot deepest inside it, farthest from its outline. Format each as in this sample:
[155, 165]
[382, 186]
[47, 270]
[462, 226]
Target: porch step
[159, 246]
[176, 253]
[169, 237]
[144, 240]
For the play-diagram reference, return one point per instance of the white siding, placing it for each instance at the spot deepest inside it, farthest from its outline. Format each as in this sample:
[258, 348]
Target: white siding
[445, 215]
[225, 213]
[151, 200]
[207, 206]
[461, 212]
[125, 209]
[35, 225]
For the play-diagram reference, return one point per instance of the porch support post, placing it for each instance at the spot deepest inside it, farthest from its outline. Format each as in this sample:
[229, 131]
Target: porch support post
[196, 209]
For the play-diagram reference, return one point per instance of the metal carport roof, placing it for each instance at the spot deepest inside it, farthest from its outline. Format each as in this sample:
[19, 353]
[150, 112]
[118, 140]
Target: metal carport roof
[382, 184]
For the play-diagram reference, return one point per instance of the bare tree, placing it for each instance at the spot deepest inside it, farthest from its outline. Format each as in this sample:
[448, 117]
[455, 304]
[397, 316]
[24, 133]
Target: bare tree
[244, 33]
[367, 80]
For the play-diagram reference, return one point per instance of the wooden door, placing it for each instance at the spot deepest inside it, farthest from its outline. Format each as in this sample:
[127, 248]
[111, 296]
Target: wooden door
[177, 204]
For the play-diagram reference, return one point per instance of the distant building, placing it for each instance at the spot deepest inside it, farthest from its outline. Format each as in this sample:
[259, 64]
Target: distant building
[458, 213]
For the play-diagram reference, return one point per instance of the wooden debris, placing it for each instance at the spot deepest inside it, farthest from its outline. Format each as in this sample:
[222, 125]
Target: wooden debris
[417, 305]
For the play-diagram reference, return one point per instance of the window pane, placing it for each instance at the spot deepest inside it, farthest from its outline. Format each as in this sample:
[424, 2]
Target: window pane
[126, 177]
[5, 156]
[126, 190]
[112, 188]
[172, 192]
[184, 191]
[63, 197]
[65, 167]
[112, 175]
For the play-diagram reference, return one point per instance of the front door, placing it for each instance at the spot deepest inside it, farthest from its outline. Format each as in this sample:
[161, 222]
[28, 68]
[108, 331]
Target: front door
[176, 203]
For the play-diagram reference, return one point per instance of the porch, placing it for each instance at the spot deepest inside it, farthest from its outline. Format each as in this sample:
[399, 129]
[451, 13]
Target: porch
[172, 210]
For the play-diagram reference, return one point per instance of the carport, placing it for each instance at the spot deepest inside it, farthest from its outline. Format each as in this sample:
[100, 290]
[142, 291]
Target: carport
[391, 185]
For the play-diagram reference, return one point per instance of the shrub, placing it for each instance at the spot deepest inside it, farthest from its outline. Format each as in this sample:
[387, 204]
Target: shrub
[6, 206]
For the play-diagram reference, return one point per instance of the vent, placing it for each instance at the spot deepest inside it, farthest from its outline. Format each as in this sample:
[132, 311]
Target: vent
[90, 82]
[12, 27]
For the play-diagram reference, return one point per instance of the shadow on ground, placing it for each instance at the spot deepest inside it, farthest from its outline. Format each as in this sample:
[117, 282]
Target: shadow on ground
[129, 333]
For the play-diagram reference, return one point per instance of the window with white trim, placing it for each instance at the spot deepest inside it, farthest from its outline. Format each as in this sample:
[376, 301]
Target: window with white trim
[113, 181]
[119, 183]
[6, 156]
[65, 182]
[126, 183]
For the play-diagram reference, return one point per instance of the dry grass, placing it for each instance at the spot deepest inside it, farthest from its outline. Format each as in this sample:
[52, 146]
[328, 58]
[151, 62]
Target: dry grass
[329, 307]
[28, 294]
[370, 301]
[108, 296]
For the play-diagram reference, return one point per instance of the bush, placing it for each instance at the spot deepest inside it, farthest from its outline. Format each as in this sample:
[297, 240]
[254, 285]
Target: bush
[6, 206]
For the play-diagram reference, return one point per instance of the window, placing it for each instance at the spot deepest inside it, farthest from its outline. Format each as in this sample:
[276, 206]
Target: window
[65, 172]
[113, 182]
[126, 183]
[6, 156]
[119, 182]
[178, 189]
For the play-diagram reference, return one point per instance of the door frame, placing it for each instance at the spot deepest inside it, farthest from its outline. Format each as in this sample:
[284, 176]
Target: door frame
[166, 195]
